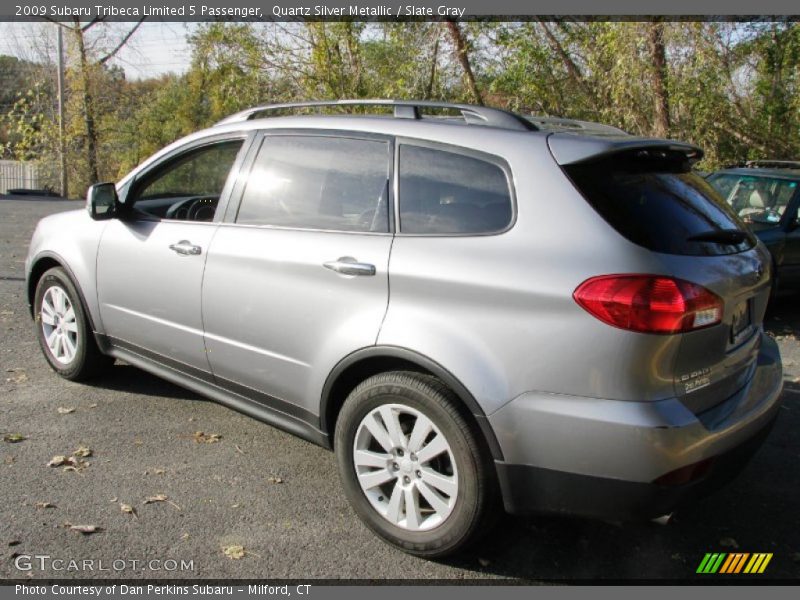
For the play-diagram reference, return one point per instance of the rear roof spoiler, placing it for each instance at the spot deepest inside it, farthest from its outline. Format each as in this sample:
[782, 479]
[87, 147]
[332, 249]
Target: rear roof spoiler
[569, 149]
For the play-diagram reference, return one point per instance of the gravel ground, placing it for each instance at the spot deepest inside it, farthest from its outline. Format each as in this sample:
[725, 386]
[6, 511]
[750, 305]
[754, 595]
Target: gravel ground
[279, 497]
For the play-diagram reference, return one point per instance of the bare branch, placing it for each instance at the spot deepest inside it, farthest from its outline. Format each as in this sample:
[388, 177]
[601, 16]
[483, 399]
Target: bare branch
[124, 41]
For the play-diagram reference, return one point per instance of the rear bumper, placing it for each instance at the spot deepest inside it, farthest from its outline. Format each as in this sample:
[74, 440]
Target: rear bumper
[594, 457]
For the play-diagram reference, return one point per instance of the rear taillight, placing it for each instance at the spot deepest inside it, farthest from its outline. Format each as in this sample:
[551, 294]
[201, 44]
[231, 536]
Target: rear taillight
[649, 303]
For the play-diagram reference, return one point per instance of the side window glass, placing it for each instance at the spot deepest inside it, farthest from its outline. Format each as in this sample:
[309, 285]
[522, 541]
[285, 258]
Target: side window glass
[449, 193]
[187, 188]
[318, 182]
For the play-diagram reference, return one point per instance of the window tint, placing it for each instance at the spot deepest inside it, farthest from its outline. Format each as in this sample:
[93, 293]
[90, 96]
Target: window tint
[657, 203]
[188, 187]
[445, 192]
[319, 182]
[756, 199]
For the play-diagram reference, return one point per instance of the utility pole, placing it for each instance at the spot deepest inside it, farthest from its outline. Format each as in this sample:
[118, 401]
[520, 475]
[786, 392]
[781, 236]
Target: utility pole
[61, 141]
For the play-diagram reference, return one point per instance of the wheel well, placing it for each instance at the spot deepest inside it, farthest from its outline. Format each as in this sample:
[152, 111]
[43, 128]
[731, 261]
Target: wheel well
[42, 265]
[347, 380]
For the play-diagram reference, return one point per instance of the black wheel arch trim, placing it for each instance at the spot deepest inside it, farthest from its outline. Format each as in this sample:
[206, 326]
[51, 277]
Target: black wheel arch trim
[423, 362]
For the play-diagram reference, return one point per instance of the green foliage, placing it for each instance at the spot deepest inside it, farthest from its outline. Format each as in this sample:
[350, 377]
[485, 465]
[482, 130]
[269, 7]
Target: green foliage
[731, 88]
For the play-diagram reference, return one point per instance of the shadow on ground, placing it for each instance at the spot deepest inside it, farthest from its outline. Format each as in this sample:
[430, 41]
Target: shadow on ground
[125, 378]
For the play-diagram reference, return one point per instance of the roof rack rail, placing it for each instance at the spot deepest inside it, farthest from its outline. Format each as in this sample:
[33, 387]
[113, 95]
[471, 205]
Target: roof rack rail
[772, 164]
[403, 109]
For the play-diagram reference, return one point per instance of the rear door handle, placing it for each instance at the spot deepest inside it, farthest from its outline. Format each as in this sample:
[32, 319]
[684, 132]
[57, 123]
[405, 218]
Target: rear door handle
[186, 248]
[347, 265]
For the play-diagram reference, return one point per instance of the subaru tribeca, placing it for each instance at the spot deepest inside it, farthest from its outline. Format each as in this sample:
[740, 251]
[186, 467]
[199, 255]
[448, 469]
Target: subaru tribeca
[475, 310]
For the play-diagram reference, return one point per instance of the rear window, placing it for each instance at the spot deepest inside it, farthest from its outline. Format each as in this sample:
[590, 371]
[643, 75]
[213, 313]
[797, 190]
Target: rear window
[656, 202]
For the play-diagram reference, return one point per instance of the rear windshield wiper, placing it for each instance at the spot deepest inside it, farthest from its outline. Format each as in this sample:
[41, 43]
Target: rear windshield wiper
[720, 236]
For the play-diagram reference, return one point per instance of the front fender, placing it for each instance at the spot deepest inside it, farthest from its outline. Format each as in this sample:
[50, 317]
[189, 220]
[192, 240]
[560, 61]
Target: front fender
[71, 240]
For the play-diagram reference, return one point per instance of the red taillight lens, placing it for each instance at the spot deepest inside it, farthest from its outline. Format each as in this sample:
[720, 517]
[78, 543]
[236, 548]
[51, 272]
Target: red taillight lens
[649, 303]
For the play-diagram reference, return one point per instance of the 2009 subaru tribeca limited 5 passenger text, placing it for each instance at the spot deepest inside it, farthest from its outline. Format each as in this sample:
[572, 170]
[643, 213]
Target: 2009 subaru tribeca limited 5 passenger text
[491, 308]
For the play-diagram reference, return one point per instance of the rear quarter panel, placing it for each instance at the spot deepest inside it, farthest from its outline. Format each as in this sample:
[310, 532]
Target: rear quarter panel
[497, 310]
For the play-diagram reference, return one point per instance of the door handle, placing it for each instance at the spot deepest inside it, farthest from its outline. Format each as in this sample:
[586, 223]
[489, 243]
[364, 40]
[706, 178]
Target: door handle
[186, 248]
[347, 265]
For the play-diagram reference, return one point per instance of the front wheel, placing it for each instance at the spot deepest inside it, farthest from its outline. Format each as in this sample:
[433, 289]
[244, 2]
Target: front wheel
[413, 466]
[63, 329]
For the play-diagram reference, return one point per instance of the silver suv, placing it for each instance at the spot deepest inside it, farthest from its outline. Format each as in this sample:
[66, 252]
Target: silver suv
[470, 307]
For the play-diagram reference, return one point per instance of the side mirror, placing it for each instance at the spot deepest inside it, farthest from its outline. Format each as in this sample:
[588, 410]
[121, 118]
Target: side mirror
[101, 201]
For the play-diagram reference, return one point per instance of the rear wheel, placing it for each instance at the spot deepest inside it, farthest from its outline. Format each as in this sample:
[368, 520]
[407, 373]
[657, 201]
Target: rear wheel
[63, 329]
[413, 466]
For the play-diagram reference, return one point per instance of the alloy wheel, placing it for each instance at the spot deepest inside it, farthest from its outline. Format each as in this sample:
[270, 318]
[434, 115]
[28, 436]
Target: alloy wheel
[405, 467]
[59, 324]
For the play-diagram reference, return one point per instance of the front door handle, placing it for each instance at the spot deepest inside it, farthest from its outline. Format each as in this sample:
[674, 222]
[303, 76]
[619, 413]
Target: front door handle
[186, 248]
[347, 265]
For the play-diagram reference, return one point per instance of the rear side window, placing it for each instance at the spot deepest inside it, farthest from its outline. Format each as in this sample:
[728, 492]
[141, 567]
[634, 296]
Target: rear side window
[319, 182]
[445, 192]
[657, 203]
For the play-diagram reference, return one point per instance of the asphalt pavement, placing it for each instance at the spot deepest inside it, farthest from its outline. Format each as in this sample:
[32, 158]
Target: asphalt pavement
[172, 477]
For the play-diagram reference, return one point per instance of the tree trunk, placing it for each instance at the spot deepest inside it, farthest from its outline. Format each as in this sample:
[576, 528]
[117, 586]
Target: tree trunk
[432, 74]
[573, 70]
[460, 45]
[658, 57]
[88, 106]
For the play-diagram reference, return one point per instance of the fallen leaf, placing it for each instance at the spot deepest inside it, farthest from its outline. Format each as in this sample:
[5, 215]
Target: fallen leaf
[185, 536]
[65, 411]
[729, 543]
[83, 452]
[160, 498]
[20, 377]
[14, 438]
[45, 505]
[85, 529]
[206, 438]
[128, 509]
[13, 543]
[239, 450]
[114, 499]
[62, 461]
[484, 562]
[275, 480]
[233, 552]
[159, 471]
[93, 406]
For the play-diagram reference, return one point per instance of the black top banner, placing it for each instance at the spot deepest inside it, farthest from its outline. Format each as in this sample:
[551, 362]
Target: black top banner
[291, 10]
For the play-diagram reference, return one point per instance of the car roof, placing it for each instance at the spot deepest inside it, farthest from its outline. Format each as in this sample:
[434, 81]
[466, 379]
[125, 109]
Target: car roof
[497, 130]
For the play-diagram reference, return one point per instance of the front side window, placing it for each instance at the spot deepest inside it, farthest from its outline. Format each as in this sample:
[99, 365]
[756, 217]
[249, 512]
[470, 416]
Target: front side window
[445, 192]
[319, 182]
[756, 199]
[187, 187]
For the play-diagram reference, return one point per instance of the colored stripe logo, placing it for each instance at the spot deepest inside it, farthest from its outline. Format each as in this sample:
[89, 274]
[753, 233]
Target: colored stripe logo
[734, 563]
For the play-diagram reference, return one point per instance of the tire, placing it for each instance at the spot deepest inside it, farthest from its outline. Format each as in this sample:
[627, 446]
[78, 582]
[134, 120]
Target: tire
[60, 317]
[461, 477]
